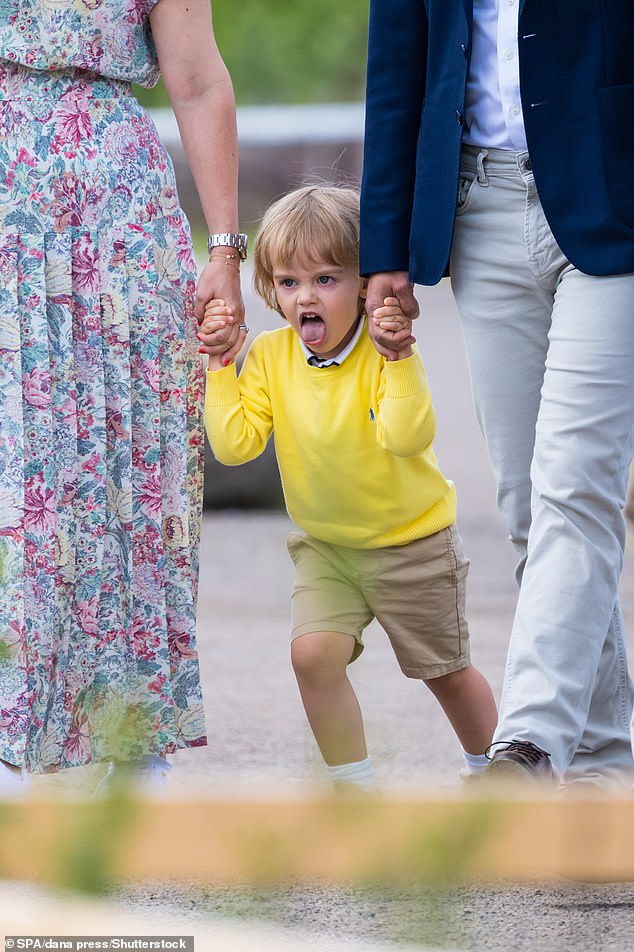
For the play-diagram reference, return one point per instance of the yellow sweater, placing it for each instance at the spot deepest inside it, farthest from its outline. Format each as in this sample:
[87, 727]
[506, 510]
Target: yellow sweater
[353, 443]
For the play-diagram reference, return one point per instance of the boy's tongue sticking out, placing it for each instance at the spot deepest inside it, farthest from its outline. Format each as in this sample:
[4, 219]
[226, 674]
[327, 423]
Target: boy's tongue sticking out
[313, 329]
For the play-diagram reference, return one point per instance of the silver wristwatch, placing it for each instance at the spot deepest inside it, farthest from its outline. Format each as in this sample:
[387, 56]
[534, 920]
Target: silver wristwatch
[229, 239]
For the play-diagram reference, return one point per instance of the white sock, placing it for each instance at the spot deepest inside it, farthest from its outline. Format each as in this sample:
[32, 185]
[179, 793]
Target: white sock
[360, 773]
[475, 763]
[153, 761]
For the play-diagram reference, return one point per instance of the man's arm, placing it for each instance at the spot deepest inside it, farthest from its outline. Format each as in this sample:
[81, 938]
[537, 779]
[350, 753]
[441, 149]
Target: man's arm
[395, 90]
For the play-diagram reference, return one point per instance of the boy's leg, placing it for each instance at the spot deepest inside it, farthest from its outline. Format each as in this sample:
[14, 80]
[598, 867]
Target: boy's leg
[418, 593]
[320, 660]
[468, 702]
[328, 615]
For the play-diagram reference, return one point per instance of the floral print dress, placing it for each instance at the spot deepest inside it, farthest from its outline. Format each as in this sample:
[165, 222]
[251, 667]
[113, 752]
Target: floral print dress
[100, 398]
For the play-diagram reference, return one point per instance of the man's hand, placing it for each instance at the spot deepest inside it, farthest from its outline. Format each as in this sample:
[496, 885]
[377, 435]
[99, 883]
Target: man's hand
[391, 321]
[381, 286]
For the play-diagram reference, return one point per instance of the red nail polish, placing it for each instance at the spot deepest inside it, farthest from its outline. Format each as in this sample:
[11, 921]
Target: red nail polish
[201, 350]
[226, 362]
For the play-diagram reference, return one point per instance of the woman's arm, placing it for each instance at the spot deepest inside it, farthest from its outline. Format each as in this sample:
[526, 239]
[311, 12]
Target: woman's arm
[201, 94]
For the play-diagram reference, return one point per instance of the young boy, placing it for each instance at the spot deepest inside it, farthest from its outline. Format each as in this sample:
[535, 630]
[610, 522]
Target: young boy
[353, 437]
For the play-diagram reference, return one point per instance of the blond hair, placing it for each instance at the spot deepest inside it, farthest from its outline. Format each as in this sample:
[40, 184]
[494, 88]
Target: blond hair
[314, 222]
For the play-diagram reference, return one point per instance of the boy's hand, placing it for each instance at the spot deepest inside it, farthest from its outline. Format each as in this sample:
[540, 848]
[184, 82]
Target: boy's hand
[390, 320]
[219, 282]
[212, 334]
[392, 284]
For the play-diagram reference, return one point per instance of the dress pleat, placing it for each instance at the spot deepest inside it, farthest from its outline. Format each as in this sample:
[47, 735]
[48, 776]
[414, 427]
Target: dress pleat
[14, 715]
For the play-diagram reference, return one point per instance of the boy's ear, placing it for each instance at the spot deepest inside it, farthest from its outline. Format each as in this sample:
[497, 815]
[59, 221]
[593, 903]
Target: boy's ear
[363, 289]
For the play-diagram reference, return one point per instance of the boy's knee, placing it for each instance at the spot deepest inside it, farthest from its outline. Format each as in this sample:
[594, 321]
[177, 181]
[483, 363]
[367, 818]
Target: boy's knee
[321, 655]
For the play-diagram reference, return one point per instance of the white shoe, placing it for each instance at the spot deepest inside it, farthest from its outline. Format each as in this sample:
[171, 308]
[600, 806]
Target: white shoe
[14, 784]
[146, 777]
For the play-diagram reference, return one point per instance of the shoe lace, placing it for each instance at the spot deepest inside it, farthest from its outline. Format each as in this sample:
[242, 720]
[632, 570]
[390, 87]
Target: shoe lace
[528, 751]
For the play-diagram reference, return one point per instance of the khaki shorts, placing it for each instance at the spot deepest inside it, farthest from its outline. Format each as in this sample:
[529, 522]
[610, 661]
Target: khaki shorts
[416, 592]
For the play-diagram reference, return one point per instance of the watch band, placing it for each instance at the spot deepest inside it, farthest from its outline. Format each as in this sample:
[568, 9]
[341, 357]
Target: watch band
[229, 239]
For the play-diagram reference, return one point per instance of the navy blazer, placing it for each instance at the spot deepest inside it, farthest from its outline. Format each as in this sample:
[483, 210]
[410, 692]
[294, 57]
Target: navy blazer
[577, 88]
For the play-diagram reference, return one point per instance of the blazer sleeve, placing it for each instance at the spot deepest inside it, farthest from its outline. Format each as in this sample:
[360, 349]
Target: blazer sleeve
[395, 92]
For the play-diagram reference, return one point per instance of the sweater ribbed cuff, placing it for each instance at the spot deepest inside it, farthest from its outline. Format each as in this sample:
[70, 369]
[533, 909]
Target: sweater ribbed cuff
[404, 378]
[221, 388]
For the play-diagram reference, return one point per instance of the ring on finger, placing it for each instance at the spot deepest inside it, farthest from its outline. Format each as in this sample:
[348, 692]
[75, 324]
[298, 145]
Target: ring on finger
[243, 327]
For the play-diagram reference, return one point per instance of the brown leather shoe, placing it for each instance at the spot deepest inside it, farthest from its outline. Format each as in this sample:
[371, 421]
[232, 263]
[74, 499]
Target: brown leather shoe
[516, 758]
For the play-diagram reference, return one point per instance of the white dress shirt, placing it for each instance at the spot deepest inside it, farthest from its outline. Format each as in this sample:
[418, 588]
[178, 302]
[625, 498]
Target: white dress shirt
[493, 109]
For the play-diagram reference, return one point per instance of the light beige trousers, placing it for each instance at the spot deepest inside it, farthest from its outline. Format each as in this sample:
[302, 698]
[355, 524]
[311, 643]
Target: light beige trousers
[551, 356]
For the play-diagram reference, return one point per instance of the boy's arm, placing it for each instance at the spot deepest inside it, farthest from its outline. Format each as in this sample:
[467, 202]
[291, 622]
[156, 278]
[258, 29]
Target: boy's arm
[405, 418]
[238, 415]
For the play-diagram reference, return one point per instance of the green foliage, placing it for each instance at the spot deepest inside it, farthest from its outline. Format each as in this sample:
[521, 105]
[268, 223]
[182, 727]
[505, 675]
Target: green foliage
[289, 51]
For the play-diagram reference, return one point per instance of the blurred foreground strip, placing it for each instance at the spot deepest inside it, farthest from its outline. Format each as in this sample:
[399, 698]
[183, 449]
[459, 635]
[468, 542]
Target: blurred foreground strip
[90, 845]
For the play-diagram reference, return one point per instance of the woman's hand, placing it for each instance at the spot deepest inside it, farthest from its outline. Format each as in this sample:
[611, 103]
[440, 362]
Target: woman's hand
[218, 321]
[220, 281]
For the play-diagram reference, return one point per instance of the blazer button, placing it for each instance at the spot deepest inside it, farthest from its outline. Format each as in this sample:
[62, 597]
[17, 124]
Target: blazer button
[465, 50]
[459, 117]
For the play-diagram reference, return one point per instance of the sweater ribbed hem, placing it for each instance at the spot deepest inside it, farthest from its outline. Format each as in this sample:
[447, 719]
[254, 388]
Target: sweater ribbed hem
[441, 515]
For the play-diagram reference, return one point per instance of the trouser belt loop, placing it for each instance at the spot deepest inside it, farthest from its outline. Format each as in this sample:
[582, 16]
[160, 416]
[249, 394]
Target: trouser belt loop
[482, 176]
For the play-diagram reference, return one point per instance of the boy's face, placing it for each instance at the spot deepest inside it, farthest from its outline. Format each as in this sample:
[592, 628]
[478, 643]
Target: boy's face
[320, 301]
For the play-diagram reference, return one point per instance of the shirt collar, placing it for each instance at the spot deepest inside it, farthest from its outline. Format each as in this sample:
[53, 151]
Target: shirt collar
[339, 358]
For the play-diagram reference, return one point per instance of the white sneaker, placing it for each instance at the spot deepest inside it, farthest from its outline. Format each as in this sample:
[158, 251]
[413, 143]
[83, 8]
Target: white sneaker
[145, 777]
[14, 784]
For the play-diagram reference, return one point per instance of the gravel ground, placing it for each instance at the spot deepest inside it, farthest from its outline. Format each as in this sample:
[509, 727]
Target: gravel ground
[531, 917]
[260, 744]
